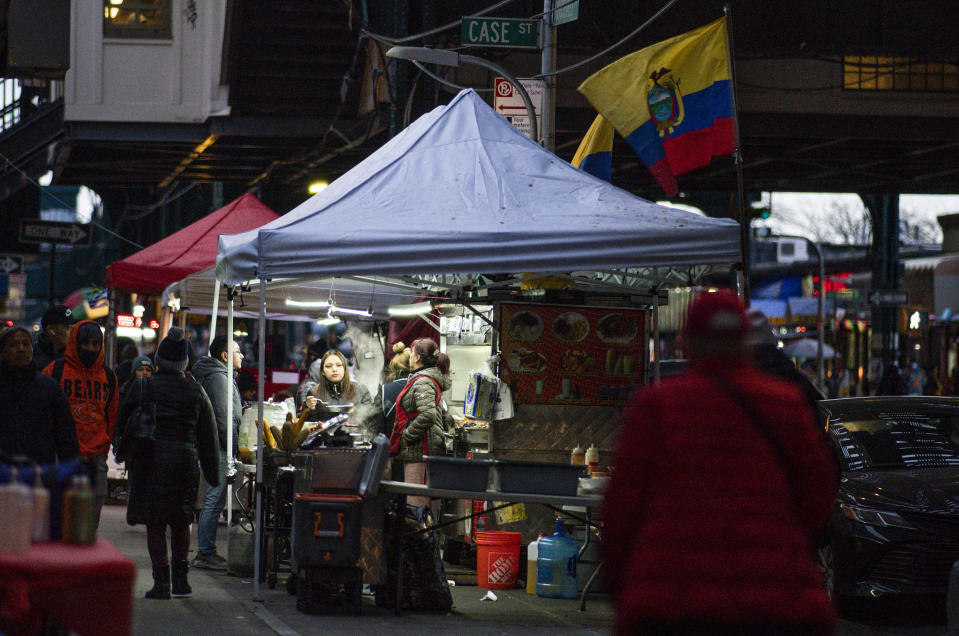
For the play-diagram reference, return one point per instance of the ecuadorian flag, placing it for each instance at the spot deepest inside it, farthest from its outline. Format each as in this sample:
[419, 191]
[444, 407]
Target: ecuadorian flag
[671, 101]
[595, 152]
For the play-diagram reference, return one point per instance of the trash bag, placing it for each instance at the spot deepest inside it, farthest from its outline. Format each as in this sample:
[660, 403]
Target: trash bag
[425, 587]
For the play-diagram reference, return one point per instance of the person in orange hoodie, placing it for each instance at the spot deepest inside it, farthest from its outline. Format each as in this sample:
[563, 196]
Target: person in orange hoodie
[91, 390]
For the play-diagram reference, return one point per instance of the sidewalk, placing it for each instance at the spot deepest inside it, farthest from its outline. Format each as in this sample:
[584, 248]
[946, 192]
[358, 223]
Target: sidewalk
[224, 604]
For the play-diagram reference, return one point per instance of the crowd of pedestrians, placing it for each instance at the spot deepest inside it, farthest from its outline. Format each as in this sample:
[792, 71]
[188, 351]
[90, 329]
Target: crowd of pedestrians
[58, 402]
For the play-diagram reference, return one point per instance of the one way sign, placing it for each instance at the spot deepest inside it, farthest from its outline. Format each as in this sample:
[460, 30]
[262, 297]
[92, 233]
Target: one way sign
[11, 264]
[888, 297]
[40, 231]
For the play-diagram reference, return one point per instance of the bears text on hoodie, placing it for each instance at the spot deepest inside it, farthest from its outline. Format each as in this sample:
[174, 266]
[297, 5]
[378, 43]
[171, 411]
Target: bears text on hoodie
[93, 405]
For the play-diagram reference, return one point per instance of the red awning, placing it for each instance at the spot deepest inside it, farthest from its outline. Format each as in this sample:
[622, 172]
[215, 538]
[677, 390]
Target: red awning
[189, 250]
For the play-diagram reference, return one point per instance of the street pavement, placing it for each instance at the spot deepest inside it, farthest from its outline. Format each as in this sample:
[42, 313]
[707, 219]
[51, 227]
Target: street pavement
[223, 604]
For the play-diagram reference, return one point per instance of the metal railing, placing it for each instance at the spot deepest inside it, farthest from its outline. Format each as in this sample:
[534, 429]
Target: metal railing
[21, 97]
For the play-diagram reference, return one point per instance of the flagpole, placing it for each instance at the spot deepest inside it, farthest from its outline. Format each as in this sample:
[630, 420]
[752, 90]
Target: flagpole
[738, 157]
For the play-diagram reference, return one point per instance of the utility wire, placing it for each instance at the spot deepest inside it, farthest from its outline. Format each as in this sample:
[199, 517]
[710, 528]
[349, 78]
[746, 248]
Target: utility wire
[439, 79]
[554, 10]
[147, 210]
[439, 29]
[64, 203]
[616, 45]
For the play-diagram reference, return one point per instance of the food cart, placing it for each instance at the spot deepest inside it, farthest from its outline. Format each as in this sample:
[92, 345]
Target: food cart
[461, 204]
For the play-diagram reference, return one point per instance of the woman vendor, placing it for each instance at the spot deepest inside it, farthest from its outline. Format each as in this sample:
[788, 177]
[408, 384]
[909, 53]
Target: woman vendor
[420, 400]
[334, 388]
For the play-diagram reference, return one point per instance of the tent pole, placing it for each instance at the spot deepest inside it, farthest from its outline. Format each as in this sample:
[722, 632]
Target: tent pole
[216, 308]
[229, 417]
[260, 389]
[656, 337]
[110, 340]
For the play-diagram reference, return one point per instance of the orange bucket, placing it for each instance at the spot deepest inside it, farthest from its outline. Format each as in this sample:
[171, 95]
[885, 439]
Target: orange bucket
[497, 559]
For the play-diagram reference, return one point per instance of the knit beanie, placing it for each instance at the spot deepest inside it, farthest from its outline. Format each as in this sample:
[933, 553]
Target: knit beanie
[9, 331]
[141, 361]
[173, 351]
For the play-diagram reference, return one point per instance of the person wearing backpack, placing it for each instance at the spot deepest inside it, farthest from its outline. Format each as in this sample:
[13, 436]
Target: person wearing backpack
[91, 390]
[418, 426]
[164, 481]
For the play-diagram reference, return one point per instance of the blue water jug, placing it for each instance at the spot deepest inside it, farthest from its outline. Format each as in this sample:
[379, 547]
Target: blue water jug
[556, 565]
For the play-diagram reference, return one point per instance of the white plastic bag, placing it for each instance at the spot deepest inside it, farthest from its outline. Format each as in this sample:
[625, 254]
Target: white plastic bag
[273, 412]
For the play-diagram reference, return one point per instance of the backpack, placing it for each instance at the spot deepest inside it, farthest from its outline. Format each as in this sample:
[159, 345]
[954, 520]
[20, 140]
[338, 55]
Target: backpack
[403, 417]
[111, 376]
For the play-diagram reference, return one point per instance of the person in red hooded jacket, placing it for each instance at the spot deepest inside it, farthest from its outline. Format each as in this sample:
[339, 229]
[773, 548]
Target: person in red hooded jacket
[91, 390]
[720, 484]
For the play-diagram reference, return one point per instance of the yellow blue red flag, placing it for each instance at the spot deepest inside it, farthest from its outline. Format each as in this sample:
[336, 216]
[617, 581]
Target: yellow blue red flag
[595, 152]
[672, 102]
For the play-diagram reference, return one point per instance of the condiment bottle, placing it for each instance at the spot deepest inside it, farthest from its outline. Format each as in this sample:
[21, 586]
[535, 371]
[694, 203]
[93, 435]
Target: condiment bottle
[16, 507]
[40, 528]
[578, 456]
[79, 512]
[592, 458]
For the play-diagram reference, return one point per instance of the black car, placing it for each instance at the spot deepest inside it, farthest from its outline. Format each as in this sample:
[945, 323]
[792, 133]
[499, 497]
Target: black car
[896, 523]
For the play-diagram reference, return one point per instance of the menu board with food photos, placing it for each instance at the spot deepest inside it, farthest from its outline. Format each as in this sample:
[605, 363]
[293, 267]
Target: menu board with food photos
[561, 354]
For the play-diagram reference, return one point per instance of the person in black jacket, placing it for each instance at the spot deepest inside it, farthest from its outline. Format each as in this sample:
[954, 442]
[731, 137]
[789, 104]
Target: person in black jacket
[767, 355]
[54, 333]
[213, 375]
[140, 367]
[163, 483]
[35, 417]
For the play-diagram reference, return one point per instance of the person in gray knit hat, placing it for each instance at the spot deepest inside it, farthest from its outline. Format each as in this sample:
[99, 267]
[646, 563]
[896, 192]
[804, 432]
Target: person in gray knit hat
[163, 482]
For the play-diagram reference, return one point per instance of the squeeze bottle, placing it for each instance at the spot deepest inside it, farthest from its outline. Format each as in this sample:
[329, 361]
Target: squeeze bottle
[16, 514]
[578, 456]
[531, 553]
[592, 458]
[40, 528]
[79, 512]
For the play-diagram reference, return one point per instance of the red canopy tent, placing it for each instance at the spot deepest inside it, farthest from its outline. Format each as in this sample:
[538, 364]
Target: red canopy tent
[189, 250]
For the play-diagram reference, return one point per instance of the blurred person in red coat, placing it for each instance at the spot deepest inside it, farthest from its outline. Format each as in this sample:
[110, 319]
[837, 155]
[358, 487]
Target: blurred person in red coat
[720, 484]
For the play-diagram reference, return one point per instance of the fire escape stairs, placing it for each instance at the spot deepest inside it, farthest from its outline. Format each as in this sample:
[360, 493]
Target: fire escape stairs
[26, 147]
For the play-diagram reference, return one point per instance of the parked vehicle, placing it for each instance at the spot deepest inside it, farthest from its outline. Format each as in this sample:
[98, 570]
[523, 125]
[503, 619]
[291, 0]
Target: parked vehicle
[896, 524]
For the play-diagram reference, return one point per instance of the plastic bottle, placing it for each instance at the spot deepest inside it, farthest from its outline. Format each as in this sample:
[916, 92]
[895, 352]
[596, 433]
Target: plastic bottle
[79, 512]
[40, 526]
[556, 565]
[531, 552]
[16, 515]
[592, 458]
[578, 456]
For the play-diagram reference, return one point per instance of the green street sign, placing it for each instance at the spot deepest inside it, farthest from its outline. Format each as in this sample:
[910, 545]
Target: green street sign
[565, 11]
[507, 32]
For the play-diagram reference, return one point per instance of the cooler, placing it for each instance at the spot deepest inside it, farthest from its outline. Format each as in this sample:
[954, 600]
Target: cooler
[326, 529]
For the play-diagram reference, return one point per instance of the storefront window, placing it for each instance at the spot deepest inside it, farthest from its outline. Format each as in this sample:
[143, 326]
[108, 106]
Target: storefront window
[136, 19]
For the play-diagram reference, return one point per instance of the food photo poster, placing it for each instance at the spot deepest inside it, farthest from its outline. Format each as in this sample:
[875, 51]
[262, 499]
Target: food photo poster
[565, 354]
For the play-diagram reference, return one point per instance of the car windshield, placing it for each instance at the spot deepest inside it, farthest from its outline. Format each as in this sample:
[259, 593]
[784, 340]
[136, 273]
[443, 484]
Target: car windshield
[894, 440]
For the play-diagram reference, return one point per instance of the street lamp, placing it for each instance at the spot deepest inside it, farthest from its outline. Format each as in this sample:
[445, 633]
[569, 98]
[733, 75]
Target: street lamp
[444, 57]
